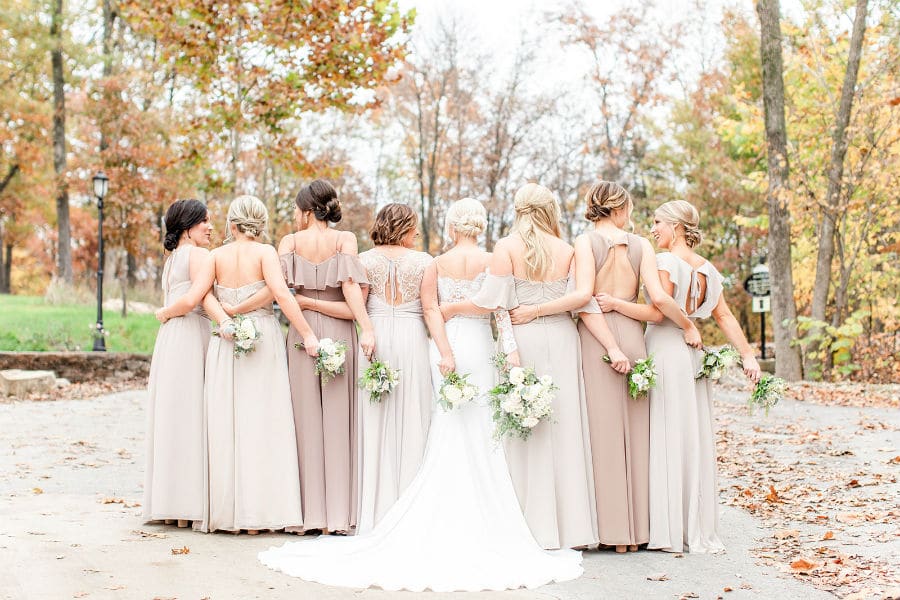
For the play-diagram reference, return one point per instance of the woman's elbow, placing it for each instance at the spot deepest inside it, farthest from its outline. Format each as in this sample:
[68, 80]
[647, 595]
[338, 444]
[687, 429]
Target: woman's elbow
[656, 317]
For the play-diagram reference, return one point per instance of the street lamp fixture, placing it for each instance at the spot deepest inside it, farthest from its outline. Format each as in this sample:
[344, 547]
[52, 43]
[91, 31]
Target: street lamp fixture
[101, 186]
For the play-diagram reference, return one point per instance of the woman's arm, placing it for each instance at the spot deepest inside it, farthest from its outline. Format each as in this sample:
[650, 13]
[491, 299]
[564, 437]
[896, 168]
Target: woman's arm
[584, 286]
[202, 268]
[258, 300]
[662, 298]
[638, 311]
[355, 300]
[275, 280]
[500, 265]
[433, 319]
[597, 325]
[732, 330]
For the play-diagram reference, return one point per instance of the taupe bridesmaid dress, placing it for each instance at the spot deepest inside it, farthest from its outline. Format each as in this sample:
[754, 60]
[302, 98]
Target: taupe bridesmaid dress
[173, 485]
[253, 481]
[551, 471]
[684, 498]
[393, 432]
[619, 424]
[325, 415]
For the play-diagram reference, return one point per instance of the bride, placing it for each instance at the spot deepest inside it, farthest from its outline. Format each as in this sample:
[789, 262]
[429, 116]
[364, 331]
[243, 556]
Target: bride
[458, 526]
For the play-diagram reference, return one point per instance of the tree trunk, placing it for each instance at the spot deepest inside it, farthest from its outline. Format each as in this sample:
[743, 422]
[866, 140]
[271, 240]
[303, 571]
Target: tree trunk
[839, 139]
[4, 278]
[131, 270]
[64, 234]
[7, 270]
[13, 169]
[784, 309]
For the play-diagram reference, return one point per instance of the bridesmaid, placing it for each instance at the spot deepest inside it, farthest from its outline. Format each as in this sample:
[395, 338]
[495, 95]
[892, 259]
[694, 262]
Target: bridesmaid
[619, 425]
[530, 273]
[323, 269]
[173, 487]
[683, 490]
[393, 431]
[253, 481]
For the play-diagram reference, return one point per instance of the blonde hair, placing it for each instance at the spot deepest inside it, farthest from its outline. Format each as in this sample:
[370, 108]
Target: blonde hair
[466, 217]
[681, 212]
[604, 197]
[536, 211]
[249, 215]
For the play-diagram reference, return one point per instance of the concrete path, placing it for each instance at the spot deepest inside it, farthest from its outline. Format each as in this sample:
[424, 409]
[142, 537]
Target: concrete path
[70, 479]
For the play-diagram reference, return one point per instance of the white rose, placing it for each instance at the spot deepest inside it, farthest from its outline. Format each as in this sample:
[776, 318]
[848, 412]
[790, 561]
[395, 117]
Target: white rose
[517, 376]
[452, 394]
[244, 344]
[326, 346]
[546, 381]
[469, 392]
[529, 422]
[639, 380]
[512, 404]
[532, 392]
[247, 329]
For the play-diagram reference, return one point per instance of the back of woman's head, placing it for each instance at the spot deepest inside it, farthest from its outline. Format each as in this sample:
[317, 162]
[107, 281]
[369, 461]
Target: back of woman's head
[536, 212]
[180, 217]
[320, 197]
[602, 198]
[683, 213]
[466, 217]
[249, 215]
[392, 223]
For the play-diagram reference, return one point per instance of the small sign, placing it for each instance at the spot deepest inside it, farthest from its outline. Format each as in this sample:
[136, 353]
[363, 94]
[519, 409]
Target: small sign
[761, 304]
[757, 284]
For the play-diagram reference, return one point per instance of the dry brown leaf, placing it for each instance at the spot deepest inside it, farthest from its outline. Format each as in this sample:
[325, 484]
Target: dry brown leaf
[854, 483]
[149, 534]
[772, 496]
[849, 518]
[79, 594]
[658, 577]
[783, 534]
[894, 461]
[122, 501]
[802, 565]
[182, 550]
[727, 589]
[37, 490]
[829, 535]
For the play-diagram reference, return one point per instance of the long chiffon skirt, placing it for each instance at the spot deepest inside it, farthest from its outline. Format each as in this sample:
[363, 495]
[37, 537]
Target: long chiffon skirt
[458, 526]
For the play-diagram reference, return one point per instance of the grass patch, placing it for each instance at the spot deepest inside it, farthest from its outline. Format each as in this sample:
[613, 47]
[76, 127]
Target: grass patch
[28, 323]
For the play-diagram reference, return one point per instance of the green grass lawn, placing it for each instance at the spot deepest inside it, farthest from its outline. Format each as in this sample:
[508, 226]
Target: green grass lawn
[29, 323]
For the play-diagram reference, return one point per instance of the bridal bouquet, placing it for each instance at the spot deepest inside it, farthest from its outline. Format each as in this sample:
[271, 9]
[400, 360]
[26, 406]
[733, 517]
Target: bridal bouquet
[244, 332]
[716, 362]
[330, 359]
[767, 393]
[379, 379]
[520, 401]
[456, 391]
[641, 377]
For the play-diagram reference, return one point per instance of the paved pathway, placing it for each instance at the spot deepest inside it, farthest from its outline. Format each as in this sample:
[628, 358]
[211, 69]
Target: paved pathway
[60, 461]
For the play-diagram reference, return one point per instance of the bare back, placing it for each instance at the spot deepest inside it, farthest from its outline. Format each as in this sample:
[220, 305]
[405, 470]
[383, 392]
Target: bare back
[316, 246]
[561, 252]
[462, 263]
[239, 264]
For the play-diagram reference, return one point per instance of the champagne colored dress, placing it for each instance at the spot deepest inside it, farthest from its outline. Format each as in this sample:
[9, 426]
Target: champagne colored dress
[325, 414]
[253, 480]
[619, 424]
[458, 526]
[551, 471]
[393, 431]
[684, 511]
[173, 486]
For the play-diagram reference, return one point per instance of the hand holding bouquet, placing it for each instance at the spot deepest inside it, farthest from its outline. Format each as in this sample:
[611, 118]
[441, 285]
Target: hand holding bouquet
[331, 358]
[641, 378]
[456, 391]
[716, 362]
[767, 393]
[379, 379]
[520, 401]
[244, 332]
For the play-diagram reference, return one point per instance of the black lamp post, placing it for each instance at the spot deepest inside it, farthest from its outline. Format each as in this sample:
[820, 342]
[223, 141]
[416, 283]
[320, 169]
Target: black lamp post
[101, 185]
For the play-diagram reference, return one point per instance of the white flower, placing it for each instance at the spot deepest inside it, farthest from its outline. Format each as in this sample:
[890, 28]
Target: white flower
[531, 393]
[546, 381]
[512, 404]
[530, 422]
[244, 344]
[247, 329]
[517, 376]
[326, 345]
[452, 394]
[469, 392]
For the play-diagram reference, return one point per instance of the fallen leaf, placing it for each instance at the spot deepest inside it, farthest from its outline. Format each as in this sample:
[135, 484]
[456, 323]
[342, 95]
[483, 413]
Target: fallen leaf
[894, 461]
[772, 496]
[658, 577]
[122, 501]
[849, 518]
[783, 534]
[79, 594]
[802, 565]
[149, 534]
[37, 490]
[727, 589]
[854, 483]
[183, 550]
[688, 595]
[829, 535]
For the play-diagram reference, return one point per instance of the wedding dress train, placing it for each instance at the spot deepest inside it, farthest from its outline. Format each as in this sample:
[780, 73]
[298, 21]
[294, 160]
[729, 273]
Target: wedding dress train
[458, 526]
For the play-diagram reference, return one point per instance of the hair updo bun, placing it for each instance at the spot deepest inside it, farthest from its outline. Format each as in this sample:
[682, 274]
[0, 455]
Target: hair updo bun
[681, 212]
[249, 216]
[466, 217]
[180, 217]
[321, 199]
[602, 198]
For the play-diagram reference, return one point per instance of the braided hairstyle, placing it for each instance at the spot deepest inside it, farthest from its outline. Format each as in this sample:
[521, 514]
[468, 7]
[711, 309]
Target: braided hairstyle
[602, 198]
[681, 212]
[320, 197]
[536, 211]
[250, 216]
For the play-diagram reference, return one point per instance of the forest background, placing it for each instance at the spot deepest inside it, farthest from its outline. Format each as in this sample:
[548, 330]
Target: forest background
[178, 98]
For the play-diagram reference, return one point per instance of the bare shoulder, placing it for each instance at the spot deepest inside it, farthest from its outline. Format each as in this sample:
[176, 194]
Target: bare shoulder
[286, 244]
[347, 242]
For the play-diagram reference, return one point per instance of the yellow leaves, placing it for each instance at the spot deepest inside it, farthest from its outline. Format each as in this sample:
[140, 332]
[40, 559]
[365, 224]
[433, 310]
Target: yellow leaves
[122, 501]
[37, 491]
[802, 565]
[829, 535]
[182, 550]
[773, 496]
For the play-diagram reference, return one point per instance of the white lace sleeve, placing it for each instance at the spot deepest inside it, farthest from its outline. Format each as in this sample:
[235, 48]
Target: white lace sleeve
[504, 329]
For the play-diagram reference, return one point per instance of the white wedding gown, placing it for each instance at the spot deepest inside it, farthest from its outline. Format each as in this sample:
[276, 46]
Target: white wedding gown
[458, 526]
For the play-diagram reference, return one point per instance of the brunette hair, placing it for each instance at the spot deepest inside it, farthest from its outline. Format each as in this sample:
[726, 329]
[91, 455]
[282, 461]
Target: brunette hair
[181, 216]
[536, 211]
[392, 222]
[320, 197]
[681, 212]
[604, 197]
